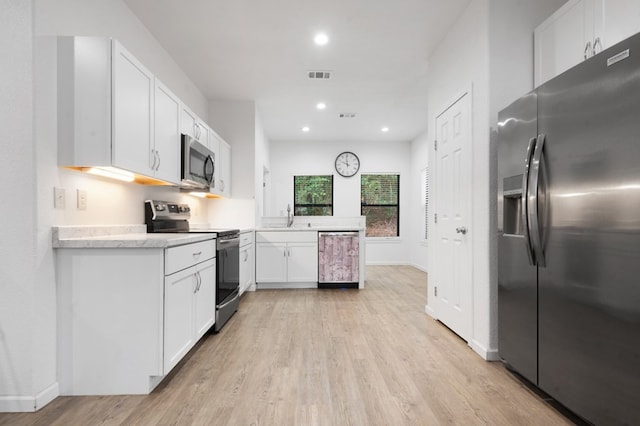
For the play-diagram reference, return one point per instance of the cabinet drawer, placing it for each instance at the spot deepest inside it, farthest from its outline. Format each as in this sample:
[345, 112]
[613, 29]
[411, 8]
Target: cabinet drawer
[246, 238]
[181, 257]
[287, 237]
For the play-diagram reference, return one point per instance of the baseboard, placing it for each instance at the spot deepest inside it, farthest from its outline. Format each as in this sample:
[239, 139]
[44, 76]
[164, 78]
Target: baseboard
[429, 311]
[387, 263]
[486, 354]
[420, 267]
[29, 404]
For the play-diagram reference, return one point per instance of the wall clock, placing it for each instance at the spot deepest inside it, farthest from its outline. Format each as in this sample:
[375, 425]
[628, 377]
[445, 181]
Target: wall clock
[347, 164]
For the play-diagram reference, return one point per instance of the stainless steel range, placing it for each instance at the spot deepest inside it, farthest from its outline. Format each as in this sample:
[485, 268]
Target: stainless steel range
[167, 217]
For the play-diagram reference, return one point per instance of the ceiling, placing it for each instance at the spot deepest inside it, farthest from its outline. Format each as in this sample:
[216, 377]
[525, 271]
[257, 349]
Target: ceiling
[262, 50]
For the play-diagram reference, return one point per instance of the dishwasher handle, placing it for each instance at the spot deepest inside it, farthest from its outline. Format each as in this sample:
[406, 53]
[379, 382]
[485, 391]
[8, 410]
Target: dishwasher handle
[338, 234]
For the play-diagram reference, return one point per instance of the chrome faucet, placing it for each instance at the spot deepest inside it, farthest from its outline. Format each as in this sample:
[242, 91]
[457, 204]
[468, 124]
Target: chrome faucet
[289, 216]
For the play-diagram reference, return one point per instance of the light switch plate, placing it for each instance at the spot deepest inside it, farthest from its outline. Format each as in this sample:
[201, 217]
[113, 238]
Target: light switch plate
[58, 198]
[82, 199]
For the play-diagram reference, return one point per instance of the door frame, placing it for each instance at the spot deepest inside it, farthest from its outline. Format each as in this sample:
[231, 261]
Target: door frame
[432, 305]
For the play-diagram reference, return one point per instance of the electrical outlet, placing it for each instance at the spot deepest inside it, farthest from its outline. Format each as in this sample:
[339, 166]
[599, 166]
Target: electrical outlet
[58, 198]
[82, 199]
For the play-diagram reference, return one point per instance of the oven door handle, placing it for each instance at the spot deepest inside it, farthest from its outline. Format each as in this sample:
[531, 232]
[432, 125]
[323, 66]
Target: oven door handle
[229, 302]
[227, 242]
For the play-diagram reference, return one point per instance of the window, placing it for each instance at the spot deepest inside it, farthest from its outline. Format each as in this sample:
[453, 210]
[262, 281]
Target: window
[380, 203]
[313, 195]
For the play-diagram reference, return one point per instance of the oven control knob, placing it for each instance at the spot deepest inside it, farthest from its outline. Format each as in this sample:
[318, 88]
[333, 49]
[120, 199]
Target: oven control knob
[159, 207]
[184, 209]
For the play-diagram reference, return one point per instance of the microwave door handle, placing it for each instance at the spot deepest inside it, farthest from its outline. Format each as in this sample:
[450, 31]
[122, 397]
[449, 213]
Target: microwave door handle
[209, 175]
[533, 200]
[525, 195]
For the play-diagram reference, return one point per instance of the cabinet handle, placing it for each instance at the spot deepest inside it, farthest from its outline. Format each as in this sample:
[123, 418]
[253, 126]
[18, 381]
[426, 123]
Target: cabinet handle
[587, 50]
[153, 165]
[246, 255]
[195, 275]
[158, 155]
[197, 254]
[596, 42]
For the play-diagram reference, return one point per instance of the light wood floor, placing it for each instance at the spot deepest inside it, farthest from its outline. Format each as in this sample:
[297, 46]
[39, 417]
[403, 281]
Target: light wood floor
[323, 357]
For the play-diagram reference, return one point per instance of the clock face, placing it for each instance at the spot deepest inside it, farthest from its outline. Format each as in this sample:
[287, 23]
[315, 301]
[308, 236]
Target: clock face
[347, 164]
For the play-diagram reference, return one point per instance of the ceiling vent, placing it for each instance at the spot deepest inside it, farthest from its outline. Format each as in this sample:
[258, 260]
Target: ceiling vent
[347, 115]
[319, 75]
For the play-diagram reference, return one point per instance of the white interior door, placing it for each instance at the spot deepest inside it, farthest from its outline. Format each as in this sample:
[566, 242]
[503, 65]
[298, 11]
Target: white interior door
[452, 287]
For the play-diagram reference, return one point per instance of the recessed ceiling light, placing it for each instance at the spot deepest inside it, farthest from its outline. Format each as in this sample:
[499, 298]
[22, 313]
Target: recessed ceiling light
[321, 39]
[385, 129]
[306, 129]
[321, 105]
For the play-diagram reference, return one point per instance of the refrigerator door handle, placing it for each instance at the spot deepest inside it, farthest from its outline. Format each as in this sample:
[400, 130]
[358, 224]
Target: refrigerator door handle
[524, 208]
[532, 198]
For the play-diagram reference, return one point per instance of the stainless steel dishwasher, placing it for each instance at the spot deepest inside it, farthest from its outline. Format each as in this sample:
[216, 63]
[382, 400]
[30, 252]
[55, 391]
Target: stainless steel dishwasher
[338, 259]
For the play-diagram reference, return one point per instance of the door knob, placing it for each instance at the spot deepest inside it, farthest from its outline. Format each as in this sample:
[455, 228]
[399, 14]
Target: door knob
[462, 230]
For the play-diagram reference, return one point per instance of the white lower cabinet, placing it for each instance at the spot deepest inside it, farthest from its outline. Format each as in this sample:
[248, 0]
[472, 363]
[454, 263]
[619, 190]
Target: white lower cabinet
[126, 316]
[302, 262]
[189, 309]
[247, 263]
[287, 259]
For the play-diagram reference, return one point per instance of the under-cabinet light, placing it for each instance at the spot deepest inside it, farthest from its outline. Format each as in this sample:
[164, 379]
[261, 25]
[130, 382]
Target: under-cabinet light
[112, 173]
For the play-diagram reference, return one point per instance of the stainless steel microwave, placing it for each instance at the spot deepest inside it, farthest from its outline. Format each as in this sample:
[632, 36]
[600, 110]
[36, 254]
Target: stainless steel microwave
[198, 164]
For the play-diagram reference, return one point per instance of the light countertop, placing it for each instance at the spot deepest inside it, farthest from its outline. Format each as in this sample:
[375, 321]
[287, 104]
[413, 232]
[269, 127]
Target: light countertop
[312, 228]
[133, 236]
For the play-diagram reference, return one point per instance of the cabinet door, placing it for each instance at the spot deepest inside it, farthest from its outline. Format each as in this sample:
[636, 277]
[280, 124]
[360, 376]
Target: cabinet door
[246, 268]
[224, 169]
[188, 121]
[178, 320]
[205, 298]
[563, 40]
[621, 20]
[132, 112]
[214, 145]
[166, 134]
[302, 262]
[271, 263]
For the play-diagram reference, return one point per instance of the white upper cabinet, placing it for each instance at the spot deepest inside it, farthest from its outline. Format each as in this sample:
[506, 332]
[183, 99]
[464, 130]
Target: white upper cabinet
[222, 150]
[571, 35]
[133, 88]
[224, 169]
[166, 151]
[114, 113]
[188, 121]
[194, 126]
[579, 30]
[107, 107]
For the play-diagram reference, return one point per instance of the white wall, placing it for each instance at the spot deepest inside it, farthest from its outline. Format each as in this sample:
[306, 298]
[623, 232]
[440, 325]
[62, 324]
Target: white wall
[460, 63]
[235, 122]
[29, 170]
[309, 158]
[419, 160]
[490, 50]
[18, 244]
[262, 164]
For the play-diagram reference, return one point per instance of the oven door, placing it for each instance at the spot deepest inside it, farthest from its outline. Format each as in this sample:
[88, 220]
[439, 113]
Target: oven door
[228, 266]
[198, 164]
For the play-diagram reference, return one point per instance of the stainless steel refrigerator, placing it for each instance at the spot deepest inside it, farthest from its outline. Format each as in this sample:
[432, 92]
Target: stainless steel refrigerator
[569, 236]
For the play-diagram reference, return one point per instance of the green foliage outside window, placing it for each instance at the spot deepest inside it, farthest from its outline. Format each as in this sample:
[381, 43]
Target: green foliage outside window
[313, 195]
[379, 202]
